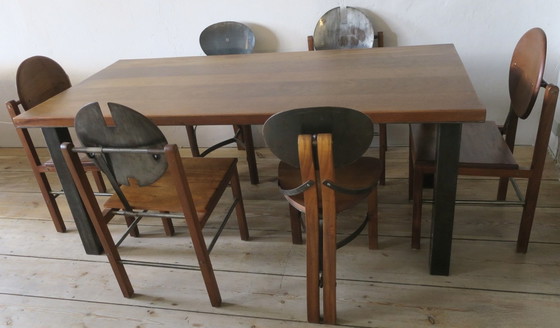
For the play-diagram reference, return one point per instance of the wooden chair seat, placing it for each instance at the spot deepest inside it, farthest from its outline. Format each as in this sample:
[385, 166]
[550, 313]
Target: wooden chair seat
[482, 146]
[205, 176]
[289, 177]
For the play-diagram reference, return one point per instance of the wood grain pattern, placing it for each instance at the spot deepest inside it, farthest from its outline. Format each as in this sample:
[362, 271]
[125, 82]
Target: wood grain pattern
[392, 85]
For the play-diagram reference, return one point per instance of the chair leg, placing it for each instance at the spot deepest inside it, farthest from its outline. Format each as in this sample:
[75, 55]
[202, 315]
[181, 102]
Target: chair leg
[373, 230]
[502, 189]
[102, 230]
[168, 226]
[50, 201]
[240, 141]
[382, 150]
[417, 182]
[410, 166]
[115, 260]
[98, 178]
[99, 220]
[204, 261]
[295, 223]
[531, 197]
[193, 142]
[239, 208]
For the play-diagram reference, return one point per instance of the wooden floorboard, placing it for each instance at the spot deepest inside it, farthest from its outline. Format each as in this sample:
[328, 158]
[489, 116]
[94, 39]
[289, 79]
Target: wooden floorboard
[46, 279]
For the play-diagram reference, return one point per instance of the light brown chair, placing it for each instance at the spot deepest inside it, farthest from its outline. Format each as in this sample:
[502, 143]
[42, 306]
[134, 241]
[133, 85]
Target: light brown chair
[347, 28]
[39, 78]
[485, 151]
[228, 38]
[322, 173]
[151, 179]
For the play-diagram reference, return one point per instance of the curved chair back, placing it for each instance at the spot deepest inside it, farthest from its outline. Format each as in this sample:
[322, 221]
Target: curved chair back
[352, 132]
[227, 38]
[526, 71]
[39, 78]
[343, 27]
[130, 130]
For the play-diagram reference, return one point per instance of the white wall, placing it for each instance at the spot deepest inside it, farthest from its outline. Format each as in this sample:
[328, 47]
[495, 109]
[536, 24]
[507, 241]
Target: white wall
[87, 35]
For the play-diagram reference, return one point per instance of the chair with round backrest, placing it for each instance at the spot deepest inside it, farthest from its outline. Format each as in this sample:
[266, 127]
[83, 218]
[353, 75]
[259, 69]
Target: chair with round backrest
[322, 172]
[228, 38]
[349, 28]
[150, 179]
[487, 149]
[39, 78]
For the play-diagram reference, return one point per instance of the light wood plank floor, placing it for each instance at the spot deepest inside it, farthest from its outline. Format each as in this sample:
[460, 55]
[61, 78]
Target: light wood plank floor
[46, 279]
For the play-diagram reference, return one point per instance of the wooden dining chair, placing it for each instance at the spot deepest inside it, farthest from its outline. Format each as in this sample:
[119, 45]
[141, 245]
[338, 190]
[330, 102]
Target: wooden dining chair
[228, 38]
[349, 28]
[151, 179]
[39, 78]
[322, 172]
[487, 149]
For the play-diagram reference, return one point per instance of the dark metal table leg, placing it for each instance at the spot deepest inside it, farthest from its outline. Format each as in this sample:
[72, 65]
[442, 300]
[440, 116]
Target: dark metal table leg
[54, 137]
[445, 189]
[250, 152]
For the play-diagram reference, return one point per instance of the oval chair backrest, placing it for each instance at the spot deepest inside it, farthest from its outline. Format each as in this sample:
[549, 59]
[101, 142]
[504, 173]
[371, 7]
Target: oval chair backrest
[343, 27]
[352, 132]
[227, 38]
[526, 71]
[39, 78]
[130, 130]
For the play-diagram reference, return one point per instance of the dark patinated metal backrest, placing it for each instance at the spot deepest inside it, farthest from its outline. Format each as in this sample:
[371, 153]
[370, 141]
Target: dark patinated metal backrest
[227, 38]
[131, 130]
[343, 27]
[352, 132]
[526, 71]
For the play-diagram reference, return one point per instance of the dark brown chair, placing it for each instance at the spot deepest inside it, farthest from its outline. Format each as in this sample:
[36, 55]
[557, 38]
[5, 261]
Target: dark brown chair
[487, 150]
[322, 173]
[228, 38]
[151, 179]
[38, 79]
[348, 28]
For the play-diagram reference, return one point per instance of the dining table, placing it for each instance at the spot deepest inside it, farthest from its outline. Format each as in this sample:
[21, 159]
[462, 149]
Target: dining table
[400, 85]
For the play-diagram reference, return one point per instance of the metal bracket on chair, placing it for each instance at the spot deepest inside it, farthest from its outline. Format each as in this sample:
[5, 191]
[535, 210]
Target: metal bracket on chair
[353, 235]
[161, 265]
[349, 191]
[222, 225]
[221, 144]
[127, 232]
[138, 215]
[297, 190]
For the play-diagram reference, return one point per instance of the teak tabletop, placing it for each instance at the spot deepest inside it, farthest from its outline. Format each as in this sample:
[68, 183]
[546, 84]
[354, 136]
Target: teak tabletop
[392, 85]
